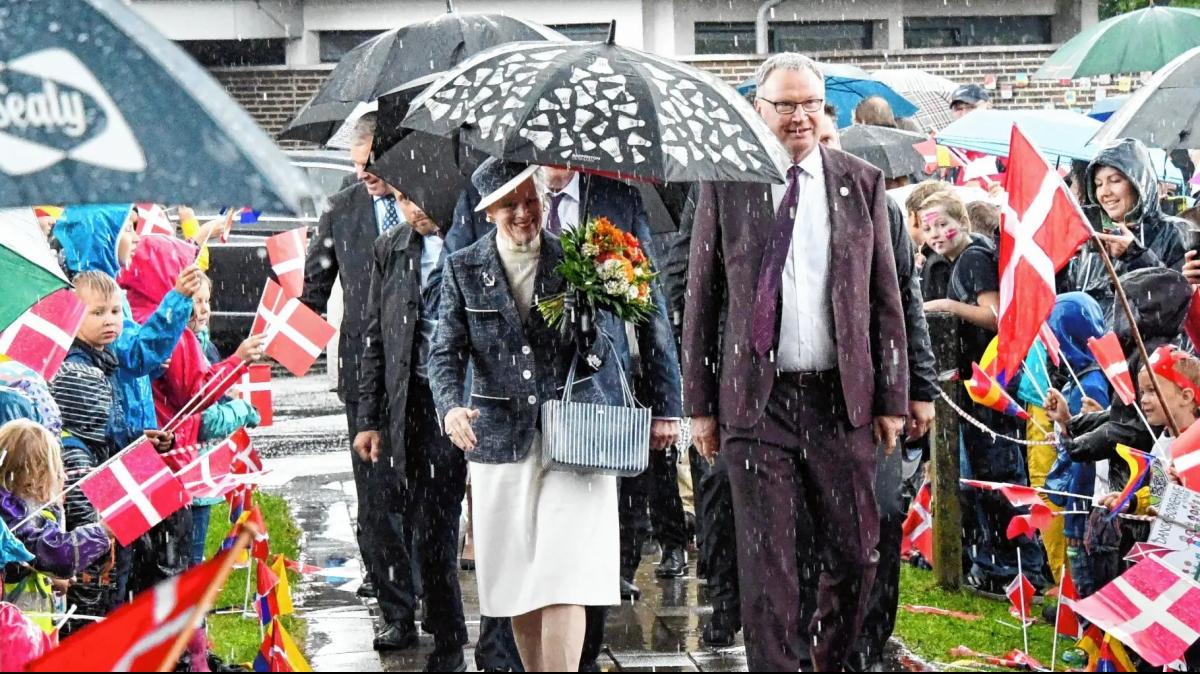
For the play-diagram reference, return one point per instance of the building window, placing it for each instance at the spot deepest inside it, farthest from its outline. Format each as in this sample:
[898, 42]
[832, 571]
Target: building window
[583, 32]
[248, 52]
[975, 31]
[334, 44]
[738, 37]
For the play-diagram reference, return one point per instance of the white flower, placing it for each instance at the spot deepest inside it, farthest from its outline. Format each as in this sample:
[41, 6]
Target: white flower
[594, 361]
[614, 288]
[632, 293]
[590, 249]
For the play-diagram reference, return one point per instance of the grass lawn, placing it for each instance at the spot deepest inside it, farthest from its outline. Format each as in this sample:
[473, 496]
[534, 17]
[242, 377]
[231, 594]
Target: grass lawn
[236, 639]
[932, 636]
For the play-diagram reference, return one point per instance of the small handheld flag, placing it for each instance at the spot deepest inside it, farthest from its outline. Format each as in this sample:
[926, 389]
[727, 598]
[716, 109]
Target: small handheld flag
[986, 391]
[1139, 469]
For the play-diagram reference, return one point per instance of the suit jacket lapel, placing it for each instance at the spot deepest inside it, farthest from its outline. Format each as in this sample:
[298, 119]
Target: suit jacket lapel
[369, 228]
[846, 216]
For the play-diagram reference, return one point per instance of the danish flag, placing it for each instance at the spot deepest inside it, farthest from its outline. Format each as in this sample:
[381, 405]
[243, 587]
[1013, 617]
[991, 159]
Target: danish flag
[1020, 594]
[152, 219]
[1041, 228]
[1153, 608]
[1050, 341]
[1067, 623]
[255, 388]
[140, 636]
[41, 337]
[286, 252]
[1039, 518]
[1185, 457]
[918, 526]
[134, 491]
[1111, 359]
[208, 475]
[294, 334]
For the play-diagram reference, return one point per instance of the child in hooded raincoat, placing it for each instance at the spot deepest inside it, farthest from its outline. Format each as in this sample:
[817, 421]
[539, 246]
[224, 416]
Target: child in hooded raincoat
[102, 238]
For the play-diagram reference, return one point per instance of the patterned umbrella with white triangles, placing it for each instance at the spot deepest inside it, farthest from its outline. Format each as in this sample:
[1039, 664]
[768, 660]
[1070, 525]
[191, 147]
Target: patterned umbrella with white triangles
[601, 108]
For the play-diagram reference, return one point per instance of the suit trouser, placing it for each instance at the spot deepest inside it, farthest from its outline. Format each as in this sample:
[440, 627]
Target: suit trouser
[716, 537]
[803, 457]
[880, 620]
[650, 499]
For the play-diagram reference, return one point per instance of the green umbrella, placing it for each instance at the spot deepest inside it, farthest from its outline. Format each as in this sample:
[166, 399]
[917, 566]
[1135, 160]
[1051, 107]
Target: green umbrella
[27, 265]
[1140, 41]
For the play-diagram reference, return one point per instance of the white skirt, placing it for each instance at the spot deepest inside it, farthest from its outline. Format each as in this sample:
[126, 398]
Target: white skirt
[543, 537]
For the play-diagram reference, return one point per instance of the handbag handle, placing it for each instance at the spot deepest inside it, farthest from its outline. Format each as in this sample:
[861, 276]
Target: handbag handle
[629, 398]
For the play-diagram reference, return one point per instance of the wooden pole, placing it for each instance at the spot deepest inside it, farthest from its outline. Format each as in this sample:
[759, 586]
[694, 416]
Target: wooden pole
[945, 470]
[1137, 333]
[206, 602]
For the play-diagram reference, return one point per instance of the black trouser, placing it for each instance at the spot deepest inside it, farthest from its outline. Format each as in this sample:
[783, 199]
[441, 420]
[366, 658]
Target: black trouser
[497, 648]
[650, 499]
[717, 539]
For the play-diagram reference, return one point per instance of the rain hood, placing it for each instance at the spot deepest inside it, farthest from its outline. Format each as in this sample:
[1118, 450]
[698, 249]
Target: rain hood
[89, 236]
[152, 272]
[1130, 157]
[1159, 298]
[1077, 317]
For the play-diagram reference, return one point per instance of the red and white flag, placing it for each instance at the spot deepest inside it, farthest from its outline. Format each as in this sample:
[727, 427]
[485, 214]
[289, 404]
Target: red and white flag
[1020, 594]
[1153, 608]
[152, 219]
[286, 252]
[1111, 359]
[1185, 457]
[134, 491]
[179, 457]
[208, 475]
[245, 458]
[1067, 623]
[1050, 341]
[1039, 518]
[41, 337]
[139, 636]
[255, 388]
[1018, 495]
[918, 526]
[1141, 550]
[294, 334]
[1041, 228]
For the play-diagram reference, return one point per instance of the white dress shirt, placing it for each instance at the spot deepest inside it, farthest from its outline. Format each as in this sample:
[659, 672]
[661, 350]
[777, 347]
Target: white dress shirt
[806, 337]
[568, 207]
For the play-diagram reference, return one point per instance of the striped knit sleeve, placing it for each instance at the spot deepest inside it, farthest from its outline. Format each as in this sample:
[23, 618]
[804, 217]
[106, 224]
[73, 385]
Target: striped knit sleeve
[78, 462]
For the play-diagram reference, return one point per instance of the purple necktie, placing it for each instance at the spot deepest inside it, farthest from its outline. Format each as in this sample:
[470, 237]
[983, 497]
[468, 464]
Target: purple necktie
[770, 275]
[554, 224]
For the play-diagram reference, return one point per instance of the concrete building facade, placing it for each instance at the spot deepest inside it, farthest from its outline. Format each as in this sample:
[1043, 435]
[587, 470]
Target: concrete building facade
[310, 32]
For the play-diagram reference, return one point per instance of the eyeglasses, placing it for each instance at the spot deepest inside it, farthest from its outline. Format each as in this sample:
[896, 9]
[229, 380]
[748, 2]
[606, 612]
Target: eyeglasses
[789, 107]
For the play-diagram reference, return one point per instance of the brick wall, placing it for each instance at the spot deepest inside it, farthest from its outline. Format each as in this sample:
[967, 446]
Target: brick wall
[273, 94]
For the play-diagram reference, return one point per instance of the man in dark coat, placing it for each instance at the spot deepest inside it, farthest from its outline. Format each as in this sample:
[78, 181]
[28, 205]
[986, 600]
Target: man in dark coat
[343, 245]
[398, 423]
[807, 375]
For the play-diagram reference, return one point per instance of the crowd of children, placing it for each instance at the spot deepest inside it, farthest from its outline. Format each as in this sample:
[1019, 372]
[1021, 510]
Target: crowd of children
[140, 354]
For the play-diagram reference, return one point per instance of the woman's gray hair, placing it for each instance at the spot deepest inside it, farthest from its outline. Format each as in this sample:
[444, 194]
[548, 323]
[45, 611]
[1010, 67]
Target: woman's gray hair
[786, 61]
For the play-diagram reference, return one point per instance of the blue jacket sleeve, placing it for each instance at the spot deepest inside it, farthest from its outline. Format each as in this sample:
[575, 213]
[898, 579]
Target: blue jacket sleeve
[142, 349]
[220, 420]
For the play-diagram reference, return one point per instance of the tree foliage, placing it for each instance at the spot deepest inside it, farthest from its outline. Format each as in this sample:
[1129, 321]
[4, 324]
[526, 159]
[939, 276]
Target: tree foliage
[1111, 8]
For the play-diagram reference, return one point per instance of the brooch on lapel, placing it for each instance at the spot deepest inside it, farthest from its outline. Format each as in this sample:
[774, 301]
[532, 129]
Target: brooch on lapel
[845, 191]
[594, 361]
[488, 280]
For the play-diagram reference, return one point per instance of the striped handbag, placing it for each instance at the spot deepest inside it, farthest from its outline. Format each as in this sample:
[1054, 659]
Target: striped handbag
[595, 439]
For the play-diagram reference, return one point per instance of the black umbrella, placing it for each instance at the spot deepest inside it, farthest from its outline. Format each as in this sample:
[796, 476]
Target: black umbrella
[664, 203]
[398, 56]
[430, 170]
[601, 108]
[889, 150]
[101, 108]
[1165, 112]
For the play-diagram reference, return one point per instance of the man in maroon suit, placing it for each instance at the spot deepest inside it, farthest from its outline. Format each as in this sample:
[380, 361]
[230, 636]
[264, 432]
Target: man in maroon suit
[807, 373]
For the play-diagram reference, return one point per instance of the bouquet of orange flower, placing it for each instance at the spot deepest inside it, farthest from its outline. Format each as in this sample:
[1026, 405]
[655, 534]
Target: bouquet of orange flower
[606, 268]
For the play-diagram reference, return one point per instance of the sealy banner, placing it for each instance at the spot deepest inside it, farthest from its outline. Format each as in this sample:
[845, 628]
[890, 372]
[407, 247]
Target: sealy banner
[97, 107]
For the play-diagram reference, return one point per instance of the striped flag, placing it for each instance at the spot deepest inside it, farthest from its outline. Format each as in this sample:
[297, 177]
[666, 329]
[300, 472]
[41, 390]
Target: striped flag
[1139, 470]
[41, 337]
[279, 653]
[286, 251]
[134, 491]
[265, 601]
[1111, 359]
[986, 391]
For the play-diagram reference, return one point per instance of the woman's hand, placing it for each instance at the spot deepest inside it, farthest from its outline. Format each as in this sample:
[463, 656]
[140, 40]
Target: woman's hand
[1191, 269]
[1118, 243]
[458, 427]
[663, 433]
[251, 349]
[1057, 408]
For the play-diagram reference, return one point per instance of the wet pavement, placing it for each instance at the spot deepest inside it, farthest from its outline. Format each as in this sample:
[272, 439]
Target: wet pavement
[307, 453]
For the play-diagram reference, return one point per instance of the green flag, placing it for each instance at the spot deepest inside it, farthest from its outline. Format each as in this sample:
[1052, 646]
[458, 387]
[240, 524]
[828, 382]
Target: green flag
[28, 266]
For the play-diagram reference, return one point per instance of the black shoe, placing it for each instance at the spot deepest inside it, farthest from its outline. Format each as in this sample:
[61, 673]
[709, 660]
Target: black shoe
[629, 591]
[446, 660]
[367, 591]
[396, 638]
[592, 666]
[673, 565]
[716, 636]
